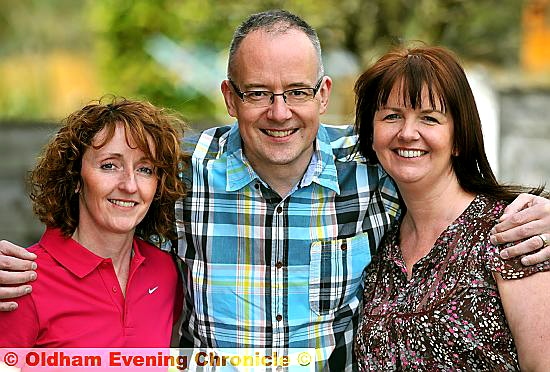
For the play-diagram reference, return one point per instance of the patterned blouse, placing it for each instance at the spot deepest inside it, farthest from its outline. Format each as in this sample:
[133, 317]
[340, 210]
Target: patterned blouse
[449, 315]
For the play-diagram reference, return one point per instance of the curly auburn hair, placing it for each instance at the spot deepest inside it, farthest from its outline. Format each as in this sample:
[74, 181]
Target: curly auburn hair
[58, 172]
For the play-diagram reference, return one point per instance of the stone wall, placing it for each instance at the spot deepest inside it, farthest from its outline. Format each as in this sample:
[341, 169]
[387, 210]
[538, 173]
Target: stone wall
[524, 151]
[19, 146]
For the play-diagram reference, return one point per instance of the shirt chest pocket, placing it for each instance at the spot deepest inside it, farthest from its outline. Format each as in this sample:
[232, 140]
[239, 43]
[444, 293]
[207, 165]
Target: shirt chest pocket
[336, 272]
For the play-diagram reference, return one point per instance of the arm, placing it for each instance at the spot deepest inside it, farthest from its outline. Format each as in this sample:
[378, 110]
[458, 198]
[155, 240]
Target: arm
[178, 310]
[176, 334]
[20, 329]
[526, 302]
[524, 219]
[16, 267]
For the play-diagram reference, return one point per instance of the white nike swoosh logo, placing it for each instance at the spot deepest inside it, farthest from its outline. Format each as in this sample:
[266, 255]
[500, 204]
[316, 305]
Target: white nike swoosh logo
[151, 290]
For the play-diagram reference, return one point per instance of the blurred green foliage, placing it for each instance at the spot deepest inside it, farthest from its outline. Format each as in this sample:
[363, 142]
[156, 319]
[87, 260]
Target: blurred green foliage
[118, 37]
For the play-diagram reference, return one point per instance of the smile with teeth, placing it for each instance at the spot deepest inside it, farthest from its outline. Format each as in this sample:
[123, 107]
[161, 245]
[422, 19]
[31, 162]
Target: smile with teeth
[279, 133]
[121, 203]
[410, 153]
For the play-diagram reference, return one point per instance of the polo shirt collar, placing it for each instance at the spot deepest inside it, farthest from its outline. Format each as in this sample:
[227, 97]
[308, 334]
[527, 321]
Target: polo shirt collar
[74, 257]
[321, 170]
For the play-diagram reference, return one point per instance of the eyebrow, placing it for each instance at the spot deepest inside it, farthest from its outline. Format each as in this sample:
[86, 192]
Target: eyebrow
[119, 155]
[401, 109]
[109, 154]
[432, 110]
[295, 85]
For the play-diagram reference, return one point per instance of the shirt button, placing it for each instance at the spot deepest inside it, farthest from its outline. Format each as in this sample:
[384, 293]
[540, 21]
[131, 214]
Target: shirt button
[279, 209]
[344, 246]
[114, 289]
[279, 264]
[279, 317]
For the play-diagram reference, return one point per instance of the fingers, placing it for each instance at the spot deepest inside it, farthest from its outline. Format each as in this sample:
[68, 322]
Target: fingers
[14, 292]
[521, 202]
[10, 249]
[531, 217]
[15, 264]
[527, 246]
[518, 227]
[16, 267]
[8, 306]
[535, 258]
[15, 277]
[531, 221]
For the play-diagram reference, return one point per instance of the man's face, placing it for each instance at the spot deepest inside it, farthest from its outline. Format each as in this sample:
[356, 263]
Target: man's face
[278, 135]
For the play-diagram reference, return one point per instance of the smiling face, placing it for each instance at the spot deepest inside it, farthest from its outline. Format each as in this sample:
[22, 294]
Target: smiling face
[414, 145]
[277, 135]
[118, 184]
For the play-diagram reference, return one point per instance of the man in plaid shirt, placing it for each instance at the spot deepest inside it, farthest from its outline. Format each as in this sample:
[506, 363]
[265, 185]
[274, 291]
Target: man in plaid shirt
[283, 215]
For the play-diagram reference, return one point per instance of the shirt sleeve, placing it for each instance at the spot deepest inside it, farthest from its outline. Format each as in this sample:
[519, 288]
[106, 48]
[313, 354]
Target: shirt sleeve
[389, 194]
[19, 328]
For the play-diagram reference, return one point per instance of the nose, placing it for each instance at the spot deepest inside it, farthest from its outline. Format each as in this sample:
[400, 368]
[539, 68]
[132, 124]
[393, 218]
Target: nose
[278, 110]
[128, 182]
[409, 130]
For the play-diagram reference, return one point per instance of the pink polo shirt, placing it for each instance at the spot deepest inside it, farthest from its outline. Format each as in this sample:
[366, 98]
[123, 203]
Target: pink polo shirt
[77, 302]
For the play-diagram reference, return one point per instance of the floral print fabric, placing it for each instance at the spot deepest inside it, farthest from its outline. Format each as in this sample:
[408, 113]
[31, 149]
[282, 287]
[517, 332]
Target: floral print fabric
[449, 315]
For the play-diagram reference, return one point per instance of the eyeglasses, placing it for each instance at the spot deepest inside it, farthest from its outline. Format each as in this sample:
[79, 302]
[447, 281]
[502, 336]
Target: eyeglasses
[264, 98]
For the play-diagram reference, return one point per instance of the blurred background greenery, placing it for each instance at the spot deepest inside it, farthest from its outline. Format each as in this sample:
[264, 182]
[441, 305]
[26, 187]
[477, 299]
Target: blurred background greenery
[56, 55]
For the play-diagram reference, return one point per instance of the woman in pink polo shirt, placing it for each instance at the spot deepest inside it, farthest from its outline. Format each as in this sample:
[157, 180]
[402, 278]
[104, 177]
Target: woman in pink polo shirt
[105, 185]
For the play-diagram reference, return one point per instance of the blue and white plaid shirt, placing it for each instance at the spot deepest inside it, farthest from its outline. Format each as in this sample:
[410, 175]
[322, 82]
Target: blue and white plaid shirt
[265, 272]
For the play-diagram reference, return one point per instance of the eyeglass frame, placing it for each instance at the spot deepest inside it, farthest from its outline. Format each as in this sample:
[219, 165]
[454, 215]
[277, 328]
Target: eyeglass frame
[241, 94]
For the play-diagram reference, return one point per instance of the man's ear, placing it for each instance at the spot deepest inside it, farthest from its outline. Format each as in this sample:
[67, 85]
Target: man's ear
[229, 97]
[324, 94]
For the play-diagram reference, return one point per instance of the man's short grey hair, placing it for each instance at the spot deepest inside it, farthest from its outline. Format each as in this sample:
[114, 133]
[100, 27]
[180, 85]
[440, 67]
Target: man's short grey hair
[276, 21]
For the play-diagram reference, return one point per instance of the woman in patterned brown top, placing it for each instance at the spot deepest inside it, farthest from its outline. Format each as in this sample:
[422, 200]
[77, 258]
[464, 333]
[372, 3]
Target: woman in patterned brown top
[438, 296]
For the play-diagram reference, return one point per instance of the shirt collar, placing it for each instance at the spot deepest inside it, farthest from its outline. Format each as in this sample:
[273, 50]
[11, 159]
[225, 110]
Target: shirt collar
[321, 170]
[74, 257]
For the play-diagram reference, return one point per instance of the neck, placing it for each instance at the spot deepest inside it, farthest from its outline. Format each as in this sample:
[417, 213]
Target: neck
[430, 210]
[281, 181]
[436, 208]
[117, 247]
[282, 178]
